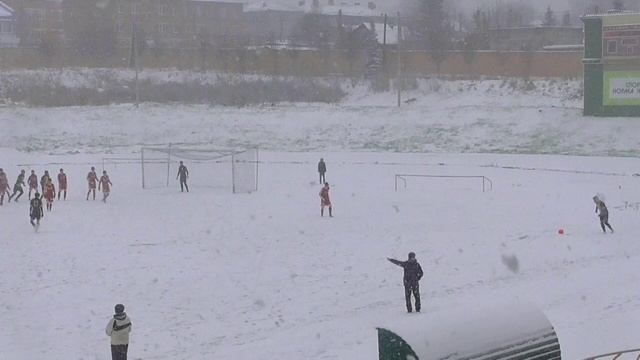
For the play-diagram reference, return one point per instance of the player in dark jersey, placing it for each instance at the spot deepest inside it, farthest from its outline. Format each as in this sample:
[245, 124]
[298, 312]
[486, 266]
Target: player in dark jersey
[183, 174]
[4, 186]
[603, 214]
[32, 182]
[44, 180]
[17, 188]
[35, 211]
[62, 184]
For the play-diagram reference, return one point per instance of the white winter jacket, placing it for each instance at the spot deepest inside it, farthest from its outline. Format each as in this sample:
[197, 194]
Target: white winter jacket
[119, 330]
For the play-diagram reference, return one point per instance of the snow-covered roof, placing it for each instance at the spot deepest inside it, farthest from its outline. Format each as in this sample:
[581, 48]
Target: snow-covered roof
[608, 14]
[272, 6]
[5, 10]
[308, 7]
[477, 330]
[222, 1]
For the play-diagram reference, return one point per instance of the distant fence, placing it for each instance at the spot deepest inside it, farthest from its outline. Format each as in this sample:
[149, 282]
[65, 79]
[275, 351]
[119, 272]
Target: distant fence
[313, 62]
[620, 355]
[487, 184]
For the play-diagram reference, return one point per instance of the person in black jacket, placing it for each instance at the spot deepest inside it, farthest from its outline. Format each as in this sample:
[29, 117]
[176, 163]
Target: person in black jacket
[183, 174]
[322, 168]
[412, 275]
[603, 213]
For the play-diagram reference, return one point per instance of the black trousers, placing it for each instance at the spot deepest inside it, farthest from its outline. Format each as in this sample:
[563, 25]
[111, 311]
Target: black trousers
[119, 352]
[16, 190]
[322, 178]
[183, 184]
[415, 290]
[604, 220]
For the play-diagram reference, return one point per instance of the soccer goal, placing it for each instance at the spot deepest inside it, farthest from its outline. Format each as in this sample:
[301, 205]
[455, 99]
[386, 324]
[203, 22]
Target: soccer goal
[235, 170]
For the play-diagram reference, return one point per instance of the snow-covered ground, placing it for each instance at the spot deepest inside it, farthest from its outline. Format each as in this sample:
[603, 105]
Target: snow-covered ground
[494, 116]
[212, 275]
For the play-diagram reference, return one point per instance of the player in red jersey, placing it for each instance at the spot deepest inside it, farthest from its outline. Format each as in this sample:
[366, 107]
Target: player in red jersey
[105, 184]
[92, 180]
[32, 181]
[49, 194]
[4, 186]
[62, 184]
[324, 200]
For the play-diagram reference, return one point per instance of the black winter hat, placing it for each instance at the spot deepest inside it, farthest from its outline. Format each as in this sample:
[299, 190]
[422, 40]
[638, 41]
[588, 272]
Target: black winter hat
[119, 309]
[412, 255]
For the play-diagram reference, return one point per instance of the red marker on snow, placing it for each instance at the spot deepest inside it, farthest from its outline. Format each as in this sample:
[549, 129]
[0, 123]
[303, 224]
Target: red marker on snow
[561, 231]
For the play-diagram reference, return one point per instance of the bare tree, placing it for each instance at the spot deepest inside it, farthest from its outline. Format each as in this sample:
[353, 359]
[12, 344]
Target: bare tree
[618, 5]
[91, 27]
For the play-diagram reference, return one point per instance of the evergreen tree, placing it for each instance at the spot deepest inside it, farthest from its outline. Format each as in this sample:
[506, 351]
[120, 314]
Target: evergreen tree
[549, 18]
[618, 5]
[436, 29]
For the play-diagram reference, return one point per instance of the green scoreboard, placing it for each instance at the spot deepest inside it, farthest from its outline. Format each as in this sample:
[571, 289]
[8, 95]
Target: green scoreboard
[612, 64]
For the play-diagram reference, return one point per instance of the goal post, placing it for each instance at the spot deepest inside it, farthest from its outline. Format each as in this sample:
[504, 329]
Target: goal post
[208, 168]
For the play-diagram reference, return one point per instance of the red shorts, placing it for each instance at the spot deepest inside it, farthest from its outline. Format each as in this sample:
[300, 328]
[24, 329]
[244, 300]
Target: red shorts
[324, 203]
[92, 186]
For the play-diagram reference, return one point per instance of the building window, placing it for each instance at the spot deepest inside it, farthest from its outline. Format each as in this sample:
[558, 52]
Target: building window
[166, 29]
[612, 47]
[163, 10]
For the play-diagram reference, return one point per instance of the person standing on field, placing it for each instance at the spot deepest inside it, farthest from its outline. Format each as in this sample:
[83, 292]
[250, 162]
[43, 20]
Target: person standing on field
[412, 275]
[118, 330]
[62, 184]
[35, 211]
[603, 213]
[325, 201]
[32, 181]
[322, 169]
[17, 188]
[183, 174]
[4, 186]
[49, 194]
[106, 185]
[44, 180]
[92, 180]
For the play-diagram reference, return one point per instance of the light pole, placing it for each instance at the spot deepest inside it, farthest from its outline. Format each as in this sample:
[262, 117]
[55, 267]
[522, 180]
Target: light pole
[134, 39]
[399, 82]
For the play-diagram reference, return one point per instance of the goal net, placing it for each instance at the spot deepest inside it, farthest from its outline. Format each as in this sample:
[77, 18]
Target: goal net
[234, 170]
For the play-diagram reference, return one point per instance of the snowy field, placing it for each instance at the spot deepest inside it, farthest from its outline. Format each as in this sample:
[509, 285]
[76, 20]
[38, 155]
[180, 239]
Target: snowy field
[212, 275]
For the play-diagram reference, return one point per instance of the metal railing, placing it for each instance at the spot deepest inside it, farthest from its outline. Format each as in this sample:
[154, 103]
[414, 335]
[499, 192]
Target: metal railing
[617, 355]
[487, 184]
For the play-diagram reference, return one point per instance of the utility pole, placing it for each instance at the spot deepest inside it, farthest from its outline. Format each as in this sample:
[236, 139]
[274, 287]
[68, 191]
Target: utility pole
[384, 47]
[399, 83]
[136, 60]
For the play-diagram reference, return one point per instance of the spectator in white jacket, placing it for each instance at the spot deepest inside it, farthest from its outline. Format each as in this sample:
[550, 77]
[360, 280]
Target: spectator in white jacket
[118, 329]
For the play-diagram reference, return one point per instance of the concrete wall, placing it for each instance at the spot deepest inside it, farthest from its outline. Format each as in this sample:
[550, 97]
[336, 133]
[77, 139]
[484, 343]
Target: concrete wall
[313, 62]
